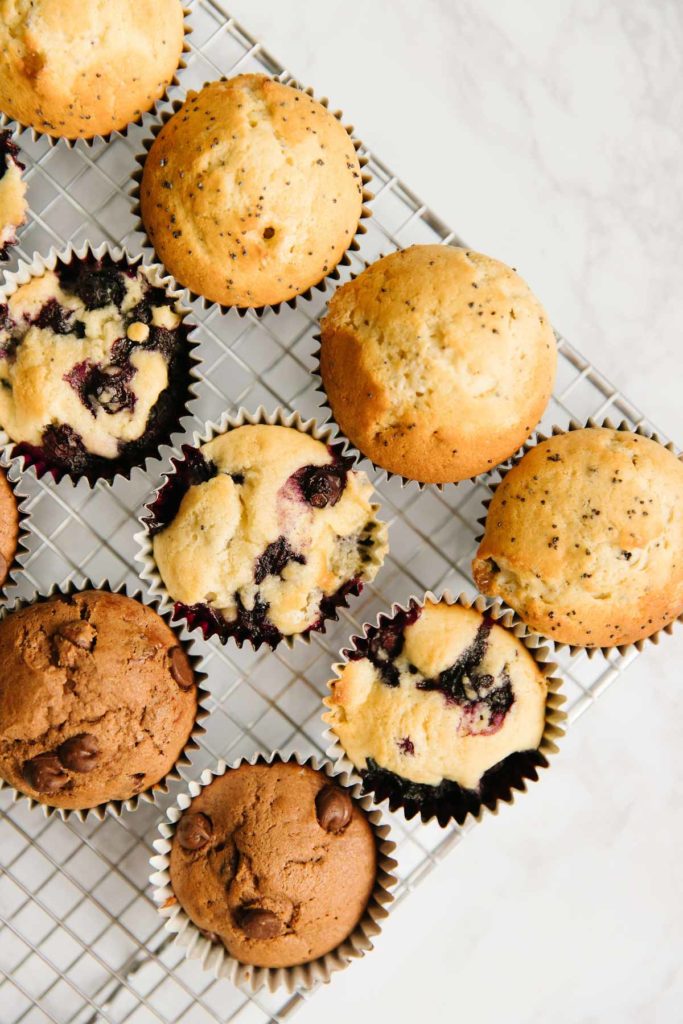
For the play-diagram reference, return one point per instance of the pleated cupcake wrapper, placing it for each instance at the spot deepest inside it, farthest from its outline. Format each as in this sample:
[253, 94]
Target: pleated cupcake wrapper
[332, 275]
[158, 277]
[214, 957]
[151, 794]
[514, 782]
[149, 571]
[502, 472]
[117, 133]
[6, 247]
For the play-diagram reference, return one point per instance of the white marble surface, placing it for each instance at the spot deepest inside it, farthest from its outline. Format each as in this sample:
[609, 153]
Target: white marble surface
[549, 134]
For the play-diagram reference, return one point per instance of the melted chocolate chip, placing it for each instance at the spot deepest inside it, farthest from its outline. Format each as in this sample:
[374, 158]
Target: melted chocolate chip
[80, 753]
[45, 773]
[258, 923]
[333, 808]
[194, 830]
[181, 670]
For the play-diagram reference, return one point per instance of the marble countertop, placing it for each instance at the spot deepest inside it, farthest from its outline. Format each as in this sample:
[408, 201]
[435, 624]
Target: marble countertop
[549, 135]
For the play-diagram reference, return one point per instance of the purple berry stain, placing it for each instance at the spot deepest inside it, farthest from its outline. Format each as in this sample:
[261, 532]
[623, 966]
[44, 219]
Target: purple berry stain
[274, 559]
[406, 746]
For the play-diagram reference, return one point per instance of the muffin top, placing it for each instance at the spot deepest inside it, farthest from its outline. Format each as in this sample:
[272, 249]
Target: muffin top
[438, 693]
[97, 700]
[584, 538]
[9, 526]
[77, 69]
[437, 362]
[277, 862]
[252, 192]
[13, 206]
[266, 526]
[86, 353]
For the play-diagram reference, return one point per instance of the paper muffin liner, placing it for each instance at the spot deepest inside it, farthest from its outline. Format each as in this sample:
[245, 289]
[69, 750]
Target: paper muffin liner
[151, 794]
[507, 782]
[214, 957]
[6, 247]
[21, 553]
[158, 277]
[36, 134]
[149, 572]
[503, 470]
[332, 275]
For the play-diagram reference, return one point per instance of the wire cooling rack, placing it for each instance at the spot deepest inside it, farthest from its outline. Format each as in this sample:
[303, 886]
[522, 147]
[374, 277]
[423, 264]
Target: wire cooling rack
[80, 939]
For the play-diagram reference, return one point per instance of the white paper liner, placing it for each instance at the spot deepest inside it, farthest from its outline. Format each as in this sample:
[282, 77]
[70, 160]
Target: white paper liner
[214, 957]
[502, 472]
[151, 794]
[7, 246]
[331, 275]
[145, 555]
[553, 729]
[158, 277]
[18, 128]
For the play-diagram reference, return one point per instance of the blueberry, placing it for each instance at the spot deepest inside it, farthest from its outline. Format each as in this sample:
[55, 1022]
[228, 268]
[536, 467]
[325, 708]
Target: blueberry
[8, 148]
[384, 643]
[59, 319]
[191, 470]
[95, 284]
[64, 447]
[321, 485]
[102, 386]
[6, 321]
[274, 559]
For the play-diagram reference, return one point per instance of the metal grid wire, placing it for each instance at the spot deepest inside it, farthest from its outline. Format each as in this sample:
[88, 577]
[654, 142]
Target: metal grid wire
[80, 939]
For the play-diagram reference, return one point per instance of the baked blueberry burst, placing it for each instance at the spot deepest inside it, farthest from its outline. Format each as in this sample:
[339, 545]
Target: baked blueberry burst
[94, 366]
[263, 532]
[13, 205]
[440, 709]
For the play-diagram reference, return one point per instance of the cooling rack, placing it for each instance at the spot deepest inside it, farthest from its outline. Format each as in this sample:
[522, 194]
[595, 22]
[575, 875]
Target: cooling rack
[80, 939]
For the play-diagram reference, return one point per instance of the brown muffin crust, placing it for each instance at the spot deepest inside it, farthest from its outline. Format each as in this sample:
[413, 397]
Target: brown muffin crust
[97, 700]
[251, 193]
[9, 527]
[275, 861]
[584, 538]
[437, 362]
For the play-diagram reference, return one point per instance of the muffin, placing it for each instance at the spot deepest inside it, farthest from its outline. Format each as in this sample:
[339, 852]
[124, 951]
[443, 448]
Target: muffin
[9, 527]
[275, 861]
[97, 700]
[440, 709]
[262, 532]
[437, 362]
[13, 206]
[94, 366]
[76, 70]
[584, 538]
[251, 193]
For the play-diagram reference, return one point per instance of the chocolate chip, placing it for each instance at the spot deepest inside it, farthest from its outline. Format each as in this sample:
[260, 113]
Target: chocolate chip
[181, 670]
[45, 773]
[80, 753]
[258, 923]
[195, 830]
[333, 808]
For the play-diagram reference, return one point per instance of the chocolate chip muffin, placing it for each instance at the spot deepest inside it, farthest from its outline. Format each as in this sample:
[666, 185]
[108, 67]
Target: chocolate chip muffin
[9, 527]
[276, 861]
[263, 532]
[439, 708]
[437, 362]
[77, 70]
[94, 366]
[584, 538]
[97, 700]
[13, 206]
[251, 193]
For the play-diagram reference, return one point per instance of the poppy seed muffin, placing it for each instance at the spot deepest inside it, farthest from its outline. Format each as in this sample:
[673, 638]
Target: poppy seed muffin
[584, 538]
[76, 70]
[97, 700]
[262, 532]
[437, 362]
[276, 861]
[13, 206]
[437, 707]
[251, 193]
[9, 527]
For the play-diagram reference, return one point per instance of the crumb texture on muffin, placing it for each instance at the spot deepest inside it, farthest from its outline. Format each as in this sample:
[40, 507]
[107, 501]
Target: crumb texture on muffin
[97, 700]
[76, 69]
[9, 526]
[264, 525]
[13, 205]
[437, 362]
[584, 538]
[261, 863]
[438, 694]
[252, 192]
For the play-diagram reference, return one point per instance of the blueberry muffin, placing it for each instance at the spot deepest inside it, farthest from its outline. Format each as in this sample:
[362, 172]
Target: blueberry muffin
[97, 700]
[94, 366]
[13, 206]
[439, 709]
[437, 362]
[263, 532]
[9, 527]
[275, 861]
[77, 70]
[584, 538]
[251, 193]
